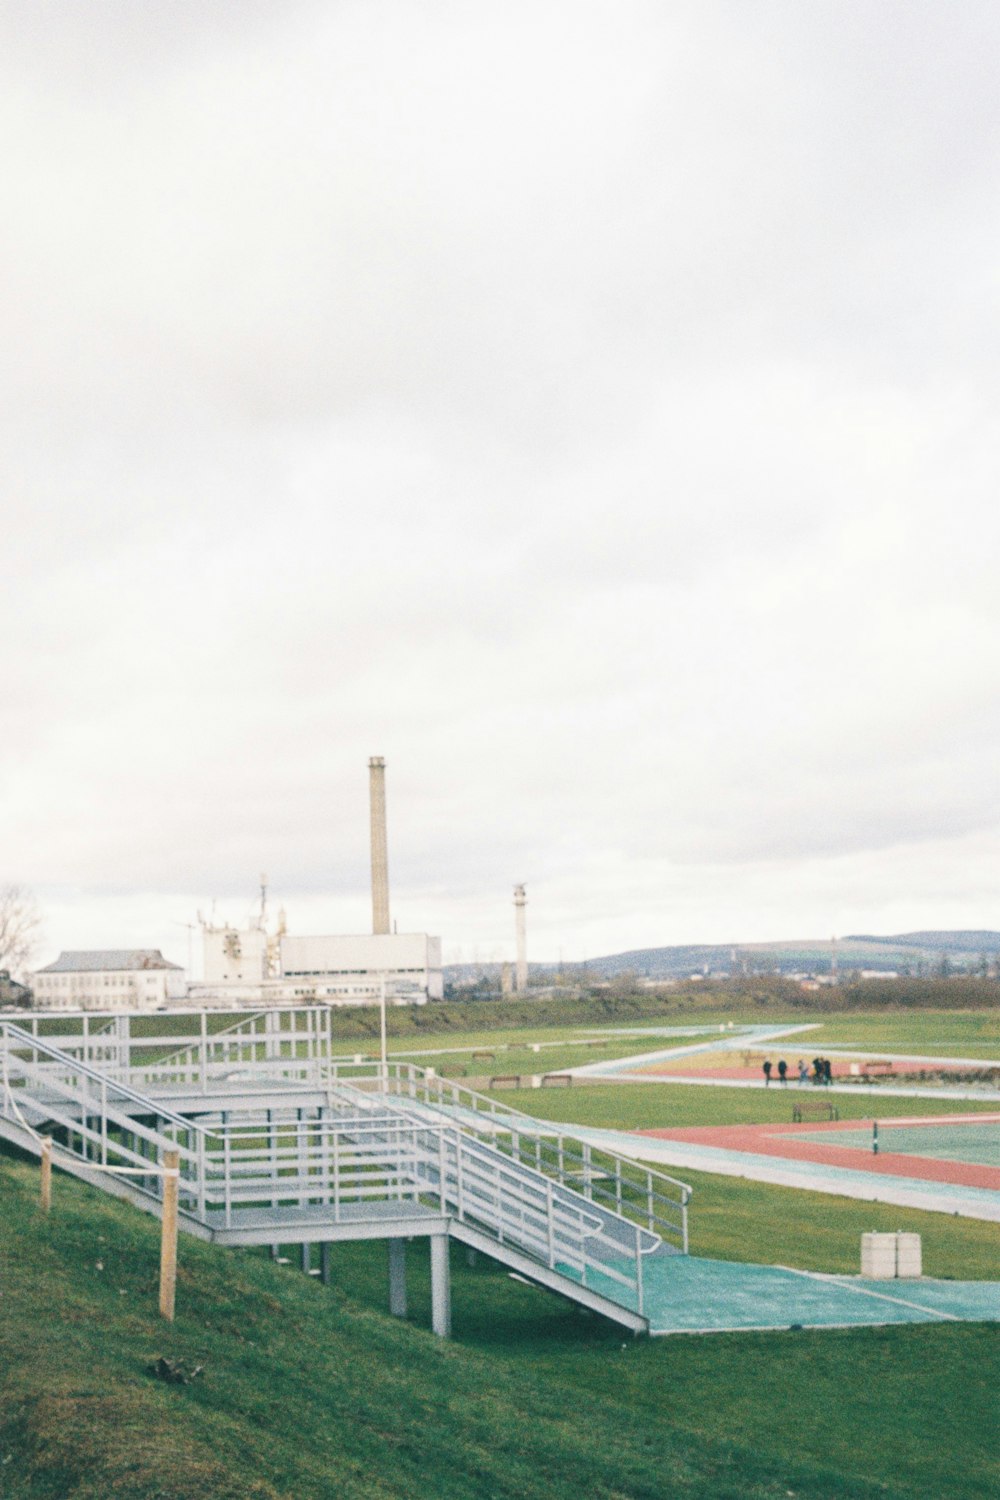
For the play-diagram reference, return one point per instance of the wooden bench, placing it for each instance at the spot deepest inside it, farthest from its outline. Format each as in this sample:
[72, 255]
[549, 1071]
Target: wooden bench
[506, 1081]
[817, 1110]
[566, 1078]
[870, 1070]
[484, 1057]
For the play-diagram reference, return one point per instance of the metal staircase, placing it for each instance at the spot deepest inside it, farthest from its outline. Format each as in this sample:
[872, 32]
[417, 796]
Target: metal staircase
[280, 1144]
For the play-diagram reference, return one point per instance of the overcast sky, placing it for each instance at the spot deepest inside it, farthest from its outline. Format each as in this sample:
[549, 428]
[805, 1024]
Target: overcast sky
[590, 407]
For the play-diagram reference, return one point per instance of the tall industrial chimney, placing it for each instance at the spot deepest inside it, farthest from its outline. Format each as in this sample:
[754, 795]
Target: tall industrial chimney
[521, 973]
[380, 847]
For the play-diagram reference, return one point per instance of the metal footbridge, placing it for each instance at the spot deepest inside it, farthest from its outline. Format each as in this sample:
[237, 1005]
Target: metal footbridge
[282, 1143]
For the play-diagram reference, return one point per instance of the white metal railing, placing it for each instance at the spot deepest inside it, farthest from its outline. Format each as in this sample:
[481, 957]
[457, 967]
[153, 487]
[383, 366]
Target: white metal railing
[359, 1151]
[293, 1047]
[618, 1183]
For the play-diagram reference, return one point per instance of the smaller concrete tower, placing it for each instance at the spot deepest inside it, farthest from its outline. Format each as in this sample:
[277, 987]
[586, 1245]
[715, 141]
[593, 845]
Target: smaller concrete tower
[380, 845]
[521, 974]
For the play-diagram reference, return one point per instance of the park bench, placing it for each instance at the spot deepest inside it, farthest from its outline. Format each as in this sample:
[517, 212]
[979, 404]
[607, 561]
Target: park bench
[566, 1078]
[506, 1081]
[484, 1057]
[814, 1110]
[870, 1070]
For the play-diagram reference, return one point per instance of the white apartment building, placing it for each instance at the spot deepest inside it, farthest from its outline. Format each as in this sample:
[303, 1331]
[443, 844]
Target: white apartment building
[109, 979]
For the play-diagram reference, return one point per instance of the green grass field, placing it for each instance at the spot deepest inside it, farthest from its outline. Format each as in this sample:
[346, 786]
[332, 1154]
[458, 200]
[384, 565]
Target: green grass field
[313, 1392]
[657, 1106]
[971, 1034]
[310, 1393]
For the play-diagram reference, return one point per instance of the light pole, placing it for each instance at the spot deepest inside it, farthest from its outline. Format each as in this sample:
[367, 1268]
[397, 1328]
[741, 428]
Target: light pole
[385, 1060]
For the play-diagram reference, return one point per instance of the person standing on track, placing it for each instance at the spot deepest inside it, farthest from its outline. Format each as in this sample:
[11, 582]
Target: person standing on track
[783, 1071]
[803, 1071]
[767, 1071]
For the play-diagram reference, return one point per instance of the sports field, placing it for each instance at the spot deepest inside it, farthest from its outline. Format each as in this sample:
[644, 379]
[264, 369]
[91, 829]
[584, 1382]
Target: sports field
[311, 1391]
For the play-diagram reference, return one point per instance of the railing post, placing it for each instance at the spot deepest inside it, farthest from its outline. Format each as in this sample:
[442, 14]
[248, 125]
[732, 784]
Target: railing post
[203, 1050]
[458, 1175]
[441, 1170]
[168, 1234]
[227, 1193]
[551, 1227]
[638, 1270]
[202, 1189]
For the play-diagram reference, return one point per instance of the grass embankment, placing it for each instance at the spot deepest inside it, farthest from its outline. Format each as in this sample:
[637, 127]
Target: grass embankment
[310, 1393]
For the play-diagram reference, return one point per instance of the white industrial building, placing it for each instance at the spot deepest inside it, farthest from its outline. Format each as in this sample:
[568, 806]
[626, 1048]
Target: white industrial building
[251, 965]
[320, 970]
[408, 962]
[109, 979]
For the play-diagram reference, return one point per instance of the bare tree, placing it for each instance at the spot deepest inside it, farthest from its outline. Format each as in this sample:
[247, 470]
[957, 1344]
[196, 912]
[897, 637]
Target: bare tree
[19, 923]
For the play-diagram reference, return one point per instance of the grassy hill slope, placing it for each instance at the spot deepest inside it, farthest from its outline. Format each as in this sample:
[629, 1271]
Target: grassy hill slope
[310, 1393]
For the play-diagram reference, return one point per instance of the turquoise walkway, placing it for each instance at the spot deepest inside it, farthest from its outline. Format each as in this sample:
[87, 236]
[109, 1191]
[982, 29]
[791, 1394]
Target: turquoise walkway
[684, 1294]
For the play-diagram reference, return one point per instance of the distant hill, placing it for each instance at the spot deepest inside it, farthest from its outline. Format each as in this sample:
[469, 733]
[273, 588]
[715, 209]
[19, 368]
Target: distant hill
[905, 953]
[975, 941]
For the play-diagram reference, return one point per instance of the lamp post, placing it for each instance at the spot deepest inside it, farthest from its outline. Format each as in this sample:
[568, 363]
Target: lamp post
[385, 1060]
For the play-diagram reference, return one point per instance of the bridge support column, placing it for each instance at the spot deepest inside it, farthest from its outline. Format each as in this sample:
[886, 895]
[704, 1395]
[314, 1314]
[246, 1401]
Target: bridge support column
[440, 1287]
[324, 1263]
[397, 1278]
[306, 1262]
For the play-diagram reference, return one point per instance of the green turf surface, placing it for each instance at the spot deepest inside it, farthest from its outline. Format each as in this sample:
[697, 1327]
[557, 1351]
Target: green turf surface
[977, 1144]
[310, 1393]
[735, 1219]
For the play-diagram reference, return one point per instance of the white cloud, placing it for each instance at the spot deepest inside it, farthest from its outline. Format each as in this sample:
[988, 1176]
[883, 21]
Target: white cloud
[587, 407]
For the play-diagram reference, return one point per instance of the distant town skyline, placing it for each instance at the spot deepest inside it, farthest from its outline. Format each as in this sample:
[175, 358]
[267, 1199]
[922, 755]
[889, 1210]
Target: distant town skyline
[590, 409]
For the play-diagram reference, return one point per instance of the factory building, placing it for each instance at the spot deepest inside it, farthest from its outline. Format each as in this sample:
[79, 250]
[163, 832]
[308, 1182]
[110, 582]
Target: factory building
[250, 966]
[109, 979]
[254, 965]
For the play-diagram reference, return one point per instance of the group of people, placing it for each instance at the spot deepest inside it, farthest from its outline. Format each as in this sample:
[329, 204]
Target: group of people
[822, 1072]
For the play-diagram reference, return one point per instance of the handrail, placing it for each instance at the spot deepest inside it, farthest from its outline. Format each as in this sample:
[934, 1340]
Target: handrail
[24, 1038]
[500, 1111]
[534, 1171]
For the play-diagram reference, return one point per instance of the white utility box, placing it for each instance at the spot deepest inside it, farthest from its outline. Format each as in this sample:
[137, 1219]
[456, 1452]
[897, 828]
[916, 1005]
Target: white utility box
[908, 1255]
[886, 1256]
[878, 1256]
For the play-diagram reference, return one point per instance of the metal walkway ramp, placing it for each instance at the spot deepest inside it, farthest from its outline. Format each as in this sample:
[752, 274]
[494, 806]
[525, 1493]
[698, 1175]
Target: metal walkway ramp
[281, 1144]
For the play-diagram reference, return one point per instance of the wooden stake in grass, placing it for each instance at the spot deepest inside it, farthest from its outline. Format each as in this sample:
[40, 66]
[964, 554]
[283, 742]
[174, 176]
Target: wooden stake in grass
[45, 1192]
[168, 1234]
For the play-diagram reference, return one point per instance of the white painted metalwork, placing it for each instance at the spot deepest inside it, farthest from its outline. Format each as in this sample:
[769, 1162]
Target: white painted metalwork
[278, 1140]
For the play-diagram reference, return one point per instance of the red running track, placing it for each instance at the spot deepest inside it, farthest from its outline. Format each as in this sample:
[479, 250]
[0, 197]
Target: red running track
[772, 1140]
